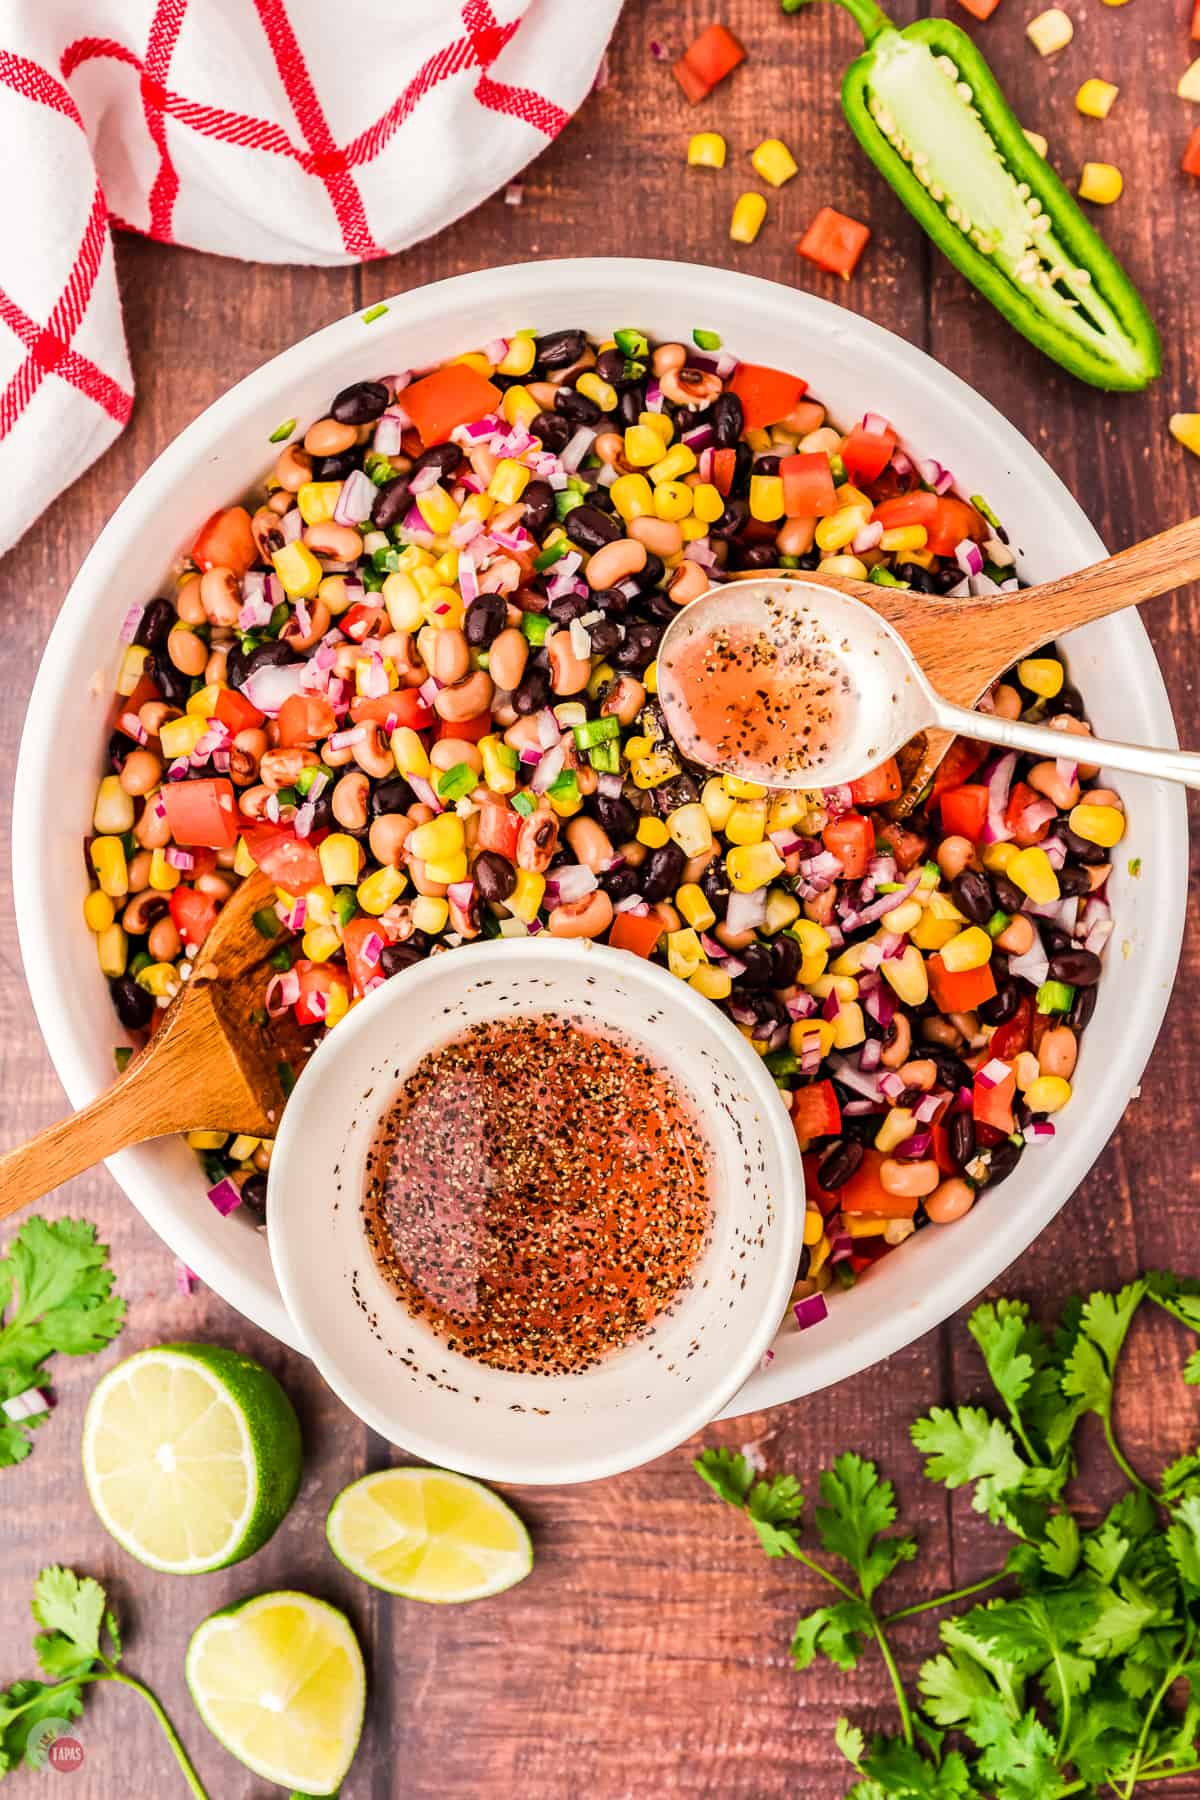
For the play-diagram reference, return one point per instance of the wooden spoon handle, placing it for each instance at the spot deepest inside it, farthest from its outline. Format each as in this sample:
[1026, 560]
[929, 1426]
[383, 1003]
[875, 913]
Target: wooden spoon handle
[1155, 566]
[128, 1112]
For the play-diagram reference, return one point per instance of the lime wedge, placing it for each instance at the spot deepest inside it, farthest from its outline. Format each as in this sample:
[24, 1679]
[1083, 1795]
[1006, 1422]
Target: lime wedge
[428, 1535]
[191, 1454]
[279, 1681]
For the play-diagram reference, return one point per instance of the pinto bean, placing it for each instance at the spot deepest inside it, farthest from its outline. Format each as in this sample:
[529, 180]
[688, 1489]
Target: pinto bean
[507, 658]
[582, 918]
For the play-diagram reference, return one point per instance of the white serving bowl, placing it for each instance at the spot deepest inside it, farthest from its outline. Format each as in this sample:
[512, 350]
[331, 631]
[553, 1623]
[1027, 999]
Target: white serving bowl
[390, 1368]
[853, 366]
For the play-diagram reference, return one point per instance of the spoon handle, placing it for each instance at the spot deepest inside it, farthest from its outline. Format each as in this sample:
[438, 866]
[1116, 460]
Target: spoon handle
[1038, 740]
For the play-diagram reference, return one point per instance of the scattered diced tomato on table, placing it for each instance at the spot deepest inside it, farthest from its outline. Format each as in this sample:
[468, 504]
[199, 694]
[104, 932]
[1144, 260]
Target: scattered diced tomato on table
[834, 242]
[707, 61]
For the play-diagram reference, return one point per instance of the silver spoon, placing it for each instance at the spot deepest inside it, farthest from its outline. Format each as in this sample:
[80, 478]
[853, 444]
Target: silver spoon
[821, 690]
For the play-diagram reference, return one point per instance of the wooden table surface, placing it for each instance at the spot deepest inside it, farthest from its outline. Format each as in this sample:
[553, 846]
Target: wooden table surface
[647, 1654]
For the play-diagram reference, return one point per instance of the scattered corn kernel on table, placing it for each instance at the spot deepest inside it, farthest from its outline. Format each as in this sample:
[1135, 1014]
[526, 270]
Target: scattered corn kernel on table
[647, 1653]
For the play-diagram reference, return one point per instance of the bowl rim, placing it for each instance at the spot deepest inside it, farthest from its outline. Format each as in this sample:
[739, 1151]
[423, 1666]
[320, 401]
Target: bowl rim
[681, 1011]
[554, 282]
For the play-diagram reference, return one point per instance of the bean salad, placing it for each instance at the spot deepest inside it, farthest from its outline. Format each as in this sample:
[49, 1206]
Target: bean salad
[412, 680]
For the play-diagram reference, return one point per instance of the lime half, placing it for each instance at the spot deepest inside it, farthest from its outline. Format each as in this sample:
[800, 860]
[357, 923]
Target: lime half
[428, 1535]
[279, 1681]
[192, 1456]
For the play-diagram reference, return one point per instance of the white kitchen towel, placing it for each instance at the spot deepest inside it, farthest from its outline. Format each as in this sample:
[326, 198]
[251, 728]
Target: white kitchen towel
[305, 131]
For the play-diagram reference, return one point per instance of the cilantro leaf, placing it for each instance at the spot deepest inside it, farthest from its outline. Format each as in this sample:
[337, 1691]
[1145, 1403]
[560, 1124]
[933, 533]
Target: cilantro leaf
[1059, 1548]
[833, 1631]
[903, 1772]
[1104, 1322]
[1183, 1543]
[851, 1742]
[857, 1507]
[773, 1507]
[951, 1684]
[969, 1445]
[1018, 1754]
[23, 1707]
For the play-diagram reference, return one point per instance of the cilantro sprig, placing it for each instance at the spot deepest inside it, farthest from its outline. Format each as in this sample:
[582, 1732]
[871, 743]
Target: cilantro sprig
[1083, 1676]
[55, 1295]
[79, 1644]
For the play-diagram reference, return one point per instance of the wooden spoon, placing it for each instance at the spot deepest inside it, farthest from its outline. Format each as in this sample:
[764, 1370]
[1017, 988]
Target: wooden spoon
[964, 645]
[209, 1066]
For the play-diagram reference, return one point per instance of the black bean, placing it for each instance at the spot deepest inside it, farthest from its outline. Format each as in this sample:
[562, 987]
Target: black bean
[1053, 937]
[577, 407]
[1078, 968]
[631, 403]
[946, 574]
[668, 796]
[495, 876]
[972, 892]
[1073, 880]
[1082, 1008]
[909, 1097]
[1003, 1160]
[135, 1007]
[767, 464]
[559, 349]
[1079, 849]
[155, 624]
[390, 796]
[727, 420]
[1009, 897]
[617, 816]
[605, 635]
[553, 429]
[923, 580]
[662, 872]
[805, 1263]
[254, 1192]
[392, 502]
[715, 886]
[445, 458]
[809, 560]
[338, 466]
[611, 601]
[952, 1070]
[484, 620]
[568, 607]
[119, 750]
[785, 960]
[610, 366]
[839, 1163]
[322, 814]
[639, 647]
[532, 692]
[600, 496]
[743, 467]
[1003, 1005]
[961, 1139]
[538, 501]
[359, 403]
[753, 556]
[174, 686]
[731, 520]
[756, 965]
[395, 957]
[1069, 700]
[591, 529]
[620, 884]
[241, 664]
[650, 574]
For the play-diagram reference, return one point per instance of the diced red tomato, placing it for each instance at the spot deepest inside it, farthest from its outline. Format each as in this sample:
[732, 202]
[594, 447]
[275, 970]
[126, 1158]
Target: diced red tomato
[852, 840]
[815, 1112]
[959, 990]
[994, 1106]
[958, 765]
[358, 622]
[908, 847]
[865, 1193]
[905, 509]
[202, 812]
[146, 690]
[724, 467]
[1196, 19]
[234, 710]
[291, 862]
[767, 395]
[638, 932]
[950, 522]
[980, 9]
[707, 61]
[866, 454]
[469, 730]
[355, 937]
[316, 978]
[880, 785]
[497, 828]
[834, 242]
[453, 395]
[1016, 1034]
[226, 542]
[941, 1149]
[964, 811]
[822, 1197]
[303, 719]
[194, 914]
[808, 491]
[1191, 156]
[1016, 823]
[404, 705]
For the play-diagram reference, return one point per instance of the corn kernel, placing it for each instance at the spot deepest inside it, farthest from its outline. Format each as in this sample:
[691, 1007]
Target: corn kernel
[689, 827]
[113, 811]
[162, 979]
[526, 896]
[1038, 141]
[970, 949]
[907, 976]
[1101, 183]
[632, 496]
[99, 911]
[712, 982]
[865, 1225]
[1049, 1094]
[428, 913]
[112, 951]
[341, 858]
[1189, 82]
[204, 700]
[685, 953]
[379, 890]
[760, 440]
[437, 838]
[207, 1140]
[773, 161]
[651, 770]
[814, 1226]
[179, 737]
[679, 460]
[337, 1005]
[1050, 31]
[1185, 429]
[850, 962]
[319, 903]
[402, 598]
[940, 921]
[805, 1032]
[447, 869]
[742, 789]
[672, 500]
[850, 566]
[506, 486]
[838, 529]
[717, 803]
[766, 497]
[849, 1027]
[243, 1147]
[163, 876]
[520, 356]
[1033, 873]
[499, 764]
[414, 557]
[594, 387]
[748, 215]
[660, 425]
[243, 863]
[298, 570]
[132, 668]
[706, 150]
[519, 406]
[902, 919]
[903, 538]
[443, 608]
[317, 500]
[1095, 98]
[782, 910]
[320, 942]
[708, 503]
[1103, 825]
[747, 823]
[811, 937]
[1041, 675]
[643, 446]
[652, 832]
[437, 508]
[997, 857]
[409, 752]
[692, 902]
[752, 866]
[899, 1125]
[475, 359]
[108, 860]
[844, 986]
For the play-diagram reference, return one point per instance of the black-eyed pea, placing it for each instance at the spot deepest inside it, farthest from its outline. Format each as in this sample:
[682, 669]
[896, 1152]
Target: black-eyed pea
[624, 700]
[138, 871]
[954, 854]
[615, 562]
[896, 1053]
[695, 866]
[732, 940]
[523, 734]
[188, 603]
[936, 1030]
[1045, 778]
[252, 802]
[694, 388]
[1017, 936]
[568, 672]
[806, 416]
[449, 657]
[329, 437]
[795, 537]
[908, 1180]
[950, 1200]
[336, 758]
[388, 836]
[669, 915]
[373, 752]
[164, 942]
[281, 768]
[187, 651]
[610, 448]
[349, 800]
[345, 661]
[586, 779]
[154, 715]
[293, 467]
[340, 542]
[662, 537]
[585, 918]
[633, 853]
[217, 887]
[1006, 701]
[435, 890]
[1097, 874]
[451, 753]
[142, 910]
[1058, 1051]
[687, 583]
[152, 831]
[667, 358]
[216, 669]
[142, 771]
[280, 502]
[266, 532]
[220, 596]
[920, 1073]
[537, 840]
[1075, 728]
[465, 699]
[590, 842]
[1104, 797]
[319, 618]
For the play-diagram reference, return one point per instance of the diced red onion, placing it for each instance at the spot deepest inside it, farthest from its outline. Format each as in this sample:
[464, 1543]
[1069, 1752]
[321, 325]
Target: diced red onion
[914, 1147]
[429, 690]
[746, 912]
[185, 1279]
[998, 553]
[302, 824]
[268, 688]
[700, 551]
[862, 1081]
[1067, 769]
[577, 448]
[821, 871]
[842, 1247]
[1056, 852]
[870, 1054]
[425, 792]
[901, 462]
[468, 580]
[881, 868]
[461, 893]
[700, 437]
[867, 538]
[999, 784]
[388, 437]
[811, 1311]
[629, 588]
[786, 841]
[571, 882]
[875, 424]
[927, 1109]
[291, 525]
[1039, 1131]
[992, 1073]
[981, 585]
[631, 903]
[832, 1006]
[867, 915]
[531, 756]
[226, 1197]
[32, 1402]
[704, 465]
[891, 1086]
[581, 643]
[179, 859]
[880, 1005]
[801, 1006]
[654, 397]
[858, 1109]
[423, 480]
[969, 556]
[346, 740]
[810, 1054]
[548, 729]
[1097, 936]
[549, 769]
[356, 499]
[255, 611]
[131, 621]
